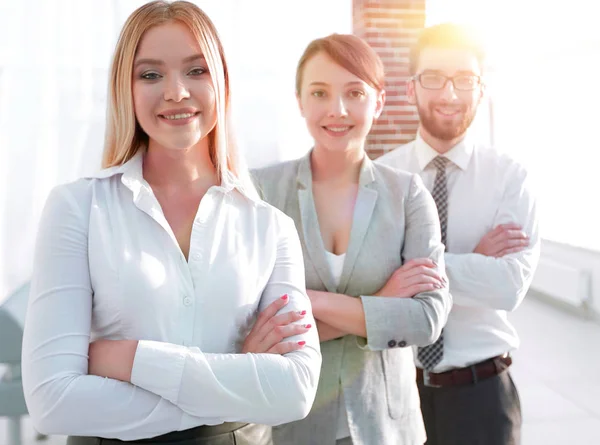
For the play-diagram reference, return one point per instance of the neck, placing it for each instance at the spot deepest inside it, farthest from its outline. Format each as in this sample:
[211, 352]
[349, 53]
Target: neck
[439, 145]
[176, 169]
[336, 167]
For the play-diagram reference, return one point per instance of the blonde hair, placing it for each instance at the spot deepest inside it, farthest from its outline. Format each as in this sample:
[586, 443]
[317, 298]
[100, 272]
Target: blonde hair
[124, 136]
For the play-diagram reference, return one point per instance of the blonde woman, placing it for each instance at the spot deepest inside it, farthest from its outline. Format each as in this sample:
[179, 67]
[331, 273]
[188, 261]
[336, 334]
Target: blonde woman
[149, 275]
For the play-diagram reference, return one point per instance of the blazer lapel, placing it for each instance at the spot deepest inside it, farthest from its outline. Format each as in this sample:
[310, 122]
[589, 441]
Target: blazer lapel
[363, 211]
[310, 225]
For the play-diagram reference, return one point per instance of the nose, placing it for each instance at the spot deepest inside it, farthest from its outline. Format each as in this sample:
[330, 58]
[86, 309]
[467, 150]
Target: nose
[337, 107]
[176, 89]
[448, 92]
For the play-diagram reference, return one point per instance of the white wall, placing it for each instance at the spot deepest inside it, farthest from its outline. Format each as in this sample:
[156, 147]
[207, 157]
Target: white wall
[54, 57]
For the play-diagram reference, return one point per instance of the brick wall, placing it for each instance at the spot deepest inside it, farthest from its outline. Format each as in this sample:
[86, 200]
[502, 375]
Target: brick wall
[390, 27]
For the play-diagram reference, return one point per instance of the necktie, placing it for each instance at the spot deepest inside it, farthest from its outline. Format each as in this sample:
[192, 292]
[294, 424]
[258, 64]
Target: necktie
[431, 355]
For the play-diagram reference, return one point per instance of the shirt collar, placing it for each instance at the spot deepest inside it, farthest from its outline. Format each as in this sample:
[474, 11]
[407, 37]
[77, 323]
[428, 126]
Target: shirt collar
[460, 155]
[133, 178]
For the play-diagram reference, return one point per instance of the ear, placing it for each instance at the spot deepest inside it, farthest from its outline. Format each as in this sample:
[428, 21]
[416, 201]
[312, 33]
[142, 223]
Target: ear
[380, 103]
[299, 100]
[411, 92]
[482, 91]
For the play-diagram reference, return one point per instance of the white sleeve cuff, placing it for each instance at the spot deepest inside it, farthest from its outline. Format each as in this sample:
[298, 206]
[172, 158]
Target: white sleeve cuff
[158, 368]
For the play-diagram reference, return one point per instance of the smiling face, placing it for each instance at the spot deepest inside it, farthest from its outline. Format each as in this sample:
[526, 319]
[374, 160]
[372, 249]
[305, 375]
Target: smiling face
[173, 94]
[445, 113]
[338, 106]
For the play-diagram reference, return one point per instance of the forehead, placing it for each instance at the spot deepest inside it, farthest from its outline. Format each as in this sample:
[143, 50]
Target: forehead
[447, 60]
[171, 37]
[322, 68]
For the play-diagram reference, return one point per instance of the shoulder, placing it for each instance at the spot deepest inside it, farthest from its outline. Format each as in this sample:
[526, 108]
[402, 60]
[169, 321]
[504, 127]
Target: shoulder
[398, 182]
[275, 183]
[399, 157]
[76, 194]
[276, 172]
[266, 214]
[504, 164]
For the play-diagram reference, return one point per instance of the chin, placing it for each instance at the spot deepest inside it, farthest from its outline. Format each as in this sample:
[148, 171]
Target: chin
[179, 144]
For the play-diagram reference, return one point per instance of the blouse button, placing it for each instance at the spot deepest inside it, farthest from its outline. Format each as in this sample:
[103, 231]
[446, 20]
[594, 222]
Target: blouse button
[196, 256]
[187, 301]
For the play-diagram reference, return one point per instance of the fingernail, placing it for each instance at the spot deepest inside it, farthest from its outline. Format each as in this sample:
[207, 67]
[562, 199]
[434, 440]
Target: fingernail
[285, 297]
[301, 343]
[308, 326]
[302, 312]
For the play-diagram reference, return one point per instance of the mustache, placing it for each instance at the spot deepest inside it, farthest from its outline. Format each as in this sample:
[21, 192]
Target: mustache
[461, 107]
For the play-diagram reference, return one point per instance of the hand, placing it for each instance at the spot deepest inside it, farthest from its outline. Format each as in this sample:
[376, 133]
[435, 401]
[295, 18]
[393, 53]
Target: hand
[270, 329]
[112, 358]
[504, 239]
[416, 276]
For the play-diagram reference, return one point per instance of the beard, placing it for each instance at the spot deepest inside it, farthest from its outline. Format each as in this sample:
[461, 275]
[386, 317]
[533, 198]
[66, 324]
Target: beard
[445, 131]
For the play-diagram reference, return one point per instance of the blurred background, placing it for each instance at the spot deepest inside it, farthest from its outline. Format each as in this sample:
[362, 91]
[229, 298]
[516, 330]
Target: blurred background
[541, 107]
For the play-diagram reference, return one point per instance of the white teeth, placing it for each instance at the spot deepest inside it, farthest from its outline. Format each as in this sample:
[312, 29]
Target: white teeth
[337, 129]
[173, 117]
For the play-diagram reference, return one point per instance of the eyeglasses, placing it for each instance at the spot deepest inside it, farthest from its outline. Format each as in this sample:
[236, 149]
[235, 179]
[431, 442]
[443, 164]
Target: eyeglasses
[436, 81]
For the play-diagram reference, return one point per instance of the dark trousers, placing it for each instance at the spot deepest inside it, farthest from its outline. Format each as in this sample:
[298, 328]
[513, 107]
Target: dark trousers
[251, 434]
[484, 413]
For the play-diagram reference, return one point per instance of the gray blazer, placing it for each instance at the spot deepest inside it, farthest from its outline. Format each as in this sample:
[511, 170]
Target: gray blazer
[395, 220]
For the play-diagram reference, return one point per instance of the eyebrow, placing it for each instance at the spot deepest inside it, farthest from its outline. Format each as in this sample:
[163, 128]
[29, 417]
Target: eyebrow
[353, 83]
[188, 59]
[458, 73]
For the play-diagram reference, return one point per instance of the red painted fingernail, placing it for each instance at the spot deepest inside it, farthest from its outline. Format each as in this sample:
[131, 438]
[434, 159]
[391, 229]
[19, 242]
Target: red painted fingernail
[307, 326]
[301, 343]
[285, 297]
[303, 313]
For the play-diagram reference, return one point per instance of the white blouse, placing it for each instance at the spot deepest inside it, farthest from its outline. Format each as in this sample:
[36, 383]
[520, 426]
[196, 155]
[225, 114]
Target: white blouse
[336, 264]
[107, 265]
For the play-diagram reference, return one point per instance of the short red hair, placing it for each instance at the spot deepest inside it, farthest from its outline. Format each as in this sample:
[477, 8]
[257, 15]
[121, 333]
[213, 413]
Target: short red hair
[351, 53]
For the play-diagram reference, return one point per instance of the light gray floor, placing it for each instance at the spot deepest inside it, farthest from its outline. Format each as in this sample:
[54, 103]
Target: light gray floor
[557, 371]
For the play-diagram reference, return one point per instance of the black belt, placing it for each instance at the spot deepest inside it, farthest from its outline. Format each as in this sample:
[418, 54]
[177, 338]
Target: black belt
[203, 431]
[465, 376]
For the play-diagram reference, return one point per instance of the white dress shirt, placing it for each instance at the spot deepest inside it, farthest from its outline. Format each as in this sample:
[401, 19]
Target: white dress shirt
[107, 265]
[485, 188]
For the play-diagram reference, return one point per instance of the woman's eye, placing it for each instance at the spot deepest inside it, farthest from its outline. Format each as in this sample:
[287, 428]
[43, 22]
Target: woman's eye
[150, 75]
[356, 93]
[318, 93]
[197, 71]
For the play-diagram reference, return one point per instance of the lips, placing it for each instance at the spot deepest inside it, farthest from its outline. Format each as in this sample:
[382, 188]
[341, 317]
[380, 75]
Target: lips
[337, 130]
[179, 113]
[448, 111]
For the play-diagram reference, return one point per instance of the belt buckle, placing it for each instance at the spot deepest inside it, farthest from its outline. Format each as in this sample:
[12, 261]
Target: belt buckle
[427, 380]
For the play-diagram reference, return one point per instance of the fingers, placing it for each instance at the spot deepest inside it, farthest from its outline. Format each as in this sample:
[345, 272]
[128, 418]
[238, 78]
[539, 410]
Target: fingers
[286, 346]
[508, 226]
[418, 271]
[509, 251]
[416, 262]
[270, 311]
[510, 239]
[437, 281]
[415, 289]
[279, 333]
[277, 321]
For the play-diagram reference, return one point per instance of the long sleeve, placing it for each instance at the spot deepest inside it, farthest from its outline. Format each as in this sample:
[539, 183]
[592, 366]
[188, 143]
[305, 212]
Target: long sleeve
[260, 388]
[499, 283]
[61, 397]
[418, 320]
